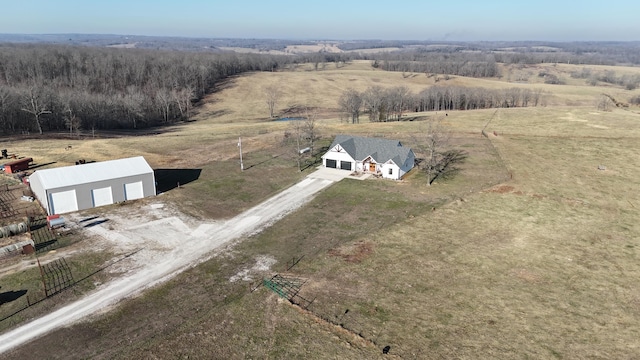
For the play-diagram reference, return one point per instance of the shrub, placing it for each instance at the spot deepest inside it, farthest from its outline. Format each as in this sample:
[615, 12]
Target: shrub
[553, 79]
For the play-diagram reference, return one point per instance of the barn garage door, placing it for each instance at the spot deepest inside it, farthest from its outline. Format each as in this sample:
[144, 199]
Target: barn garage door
[63, 202]
[133, 191]
[102, 196]
[345, 165]
[332, 163]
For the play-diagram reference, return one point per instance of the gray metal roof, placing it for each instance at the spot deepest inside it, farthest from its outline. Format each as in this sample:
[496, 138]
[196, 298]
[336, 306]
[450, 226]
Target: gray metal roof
[92, 172]
[381, 150]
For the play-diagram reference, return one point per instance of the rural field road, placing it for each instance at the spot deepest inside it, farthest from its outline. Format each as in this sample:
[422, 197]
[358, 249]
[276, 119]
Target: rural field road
[195, 246]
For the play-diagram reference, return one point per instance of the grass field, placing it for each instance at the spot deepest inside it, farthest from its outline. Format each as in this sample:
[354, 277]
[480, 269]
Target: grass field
[529, 251]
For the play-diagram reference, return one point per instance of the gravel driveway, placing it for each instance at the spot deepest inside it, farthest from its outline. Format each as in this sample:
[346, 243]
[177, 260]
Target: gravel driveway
[173, 246]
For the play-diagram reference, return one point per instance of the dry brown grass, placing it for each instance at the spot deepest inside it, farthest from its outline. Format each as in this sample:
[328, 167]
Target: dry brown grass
[542, 266]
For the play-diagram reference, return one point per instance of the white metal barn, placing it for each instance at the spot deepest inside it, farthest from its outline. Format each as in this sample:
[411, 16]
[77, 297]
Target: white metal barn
[387, 158]
[72, 188]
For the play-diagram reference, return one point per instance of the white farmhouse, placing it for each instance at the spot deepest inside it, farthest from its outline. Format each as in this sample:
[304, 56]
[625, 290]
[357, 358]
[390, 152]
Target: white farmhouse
[387, 158]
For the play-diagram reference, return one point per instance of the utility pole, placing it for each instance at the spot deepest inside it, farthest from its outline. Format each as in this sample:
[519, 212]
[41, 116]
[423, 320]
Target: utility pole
[240, 146]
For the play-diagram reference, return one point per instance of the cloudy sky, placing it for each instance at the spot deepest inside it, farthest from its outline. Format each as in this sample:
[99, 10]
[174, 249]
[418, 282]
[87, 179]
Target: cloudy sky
[559, 20]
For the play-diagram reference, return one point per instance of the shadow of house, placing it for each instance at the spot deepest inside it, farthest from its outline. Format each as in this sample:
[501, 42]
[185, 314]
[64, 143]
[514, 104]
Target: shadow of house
[9, 296]
[167, 179]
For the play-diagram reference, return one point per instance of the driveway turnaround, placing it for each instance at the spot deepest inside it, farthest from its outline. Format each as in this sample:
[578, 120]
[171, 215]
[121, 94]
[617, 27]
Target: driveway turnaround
[196, 245]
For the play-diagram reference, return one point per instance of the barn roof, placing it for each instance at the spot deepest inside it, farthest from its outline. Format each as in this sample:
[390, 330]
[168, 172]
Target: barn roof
[92, 172]
[381, 150]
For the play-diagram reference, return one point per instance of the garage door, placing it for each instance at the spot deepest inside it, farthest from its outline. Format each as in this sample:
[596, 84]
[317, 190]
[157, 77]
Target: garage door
[102, 196]
[63, 202]
[332, 163]
[345, 165]
[133, 191]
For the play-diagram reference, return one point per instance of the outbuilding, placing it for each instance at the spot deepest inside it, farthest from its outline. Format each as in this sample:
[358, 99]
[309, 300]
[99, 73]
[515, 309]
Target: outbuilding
[387, 158]
[72, 188]
[18, 165]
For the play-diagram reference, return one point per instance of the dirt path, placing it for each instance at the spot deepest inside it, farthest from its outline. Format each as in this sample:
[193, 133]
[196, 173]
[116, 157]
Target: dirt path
[177, 247]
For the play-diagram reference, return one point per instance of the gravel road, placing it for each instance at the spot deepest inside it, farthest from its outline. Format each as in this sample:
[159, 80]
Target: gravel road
[191, 246]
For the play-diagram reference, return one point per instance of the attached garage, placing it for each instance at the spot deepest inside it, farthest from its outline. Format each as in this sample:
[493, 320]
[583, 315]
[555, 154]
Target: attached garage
[346, 165]
[331, 163]
[72, 188]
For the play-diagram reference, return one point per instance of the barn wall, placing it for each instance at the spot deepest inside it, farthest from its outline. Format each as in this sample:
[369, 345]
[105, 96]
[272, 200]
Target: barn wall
[83, 191]
[38, 190]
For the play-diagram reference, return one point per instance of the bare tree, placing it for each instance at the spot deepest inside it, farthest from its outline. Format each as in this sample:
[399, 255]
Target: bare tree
[604, 103]
[6, 103]
[164, 101]
[310, 128]
[398, 100]
[537, 96]
[436, 142]
[350, 103]
[373, 98]
[272, 96]
[512, 97]
[294, 135]
[133, 105]
[183, 99]
[71, 120]
[34, 105]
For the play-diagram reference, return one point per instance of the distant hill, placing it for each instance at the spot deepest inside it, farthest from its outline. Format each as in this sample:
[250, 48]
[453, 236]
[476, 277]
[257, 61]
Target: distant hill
[123, 41]
[616, 51]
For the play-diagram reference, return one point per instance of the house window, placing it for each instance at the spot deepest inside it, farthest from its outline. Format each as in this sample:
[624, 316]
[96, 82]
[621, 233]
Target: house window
[390, 171]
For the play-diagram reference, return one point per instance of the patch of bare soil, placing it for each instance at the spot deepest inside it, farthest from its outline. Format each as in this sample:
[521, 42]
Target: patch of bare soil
[502, 189]
[508, 189]
[354, 253]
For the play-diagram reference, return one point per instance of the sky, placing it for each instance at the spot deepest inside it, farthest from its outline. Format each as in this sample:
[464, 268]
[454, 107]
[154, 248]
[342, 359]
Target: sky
[442, 20]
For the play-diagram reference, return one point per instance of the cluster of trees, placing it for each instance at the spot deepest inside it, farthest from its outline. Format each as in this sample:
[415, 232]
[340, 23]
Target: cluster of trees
[629, 82]
[59, 87]
[595, 53]
[391, 103]
[518, 52]
[485, 63]
[439, 98]
[56, 87]
[463, 64]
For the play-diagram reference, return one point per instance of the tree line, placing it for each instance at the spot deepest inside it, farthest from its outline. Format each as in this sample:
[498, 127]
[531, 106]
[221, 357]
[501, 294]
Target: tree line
[390, 104]
[511, 52]
[481, 64]
[56, 87]
[628, 81]
[61, 87]
[463, 64]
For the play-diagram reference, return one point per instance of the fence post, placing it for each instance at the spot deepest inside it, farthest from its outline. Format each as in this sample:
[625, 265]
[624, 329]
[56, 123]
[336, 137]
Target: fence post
[44, 284]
